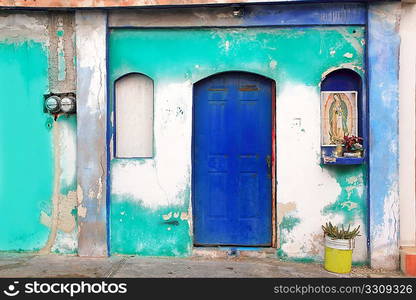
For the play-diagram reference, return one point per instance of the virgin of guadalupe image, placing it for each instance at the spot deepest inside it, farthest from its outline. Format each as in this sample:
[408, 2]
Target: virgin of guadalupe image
[338, 116]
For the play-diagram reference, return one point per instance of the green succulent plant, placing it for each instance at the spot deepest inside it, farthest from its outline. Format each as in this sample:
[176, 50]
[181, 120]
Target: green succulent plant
[340, 233]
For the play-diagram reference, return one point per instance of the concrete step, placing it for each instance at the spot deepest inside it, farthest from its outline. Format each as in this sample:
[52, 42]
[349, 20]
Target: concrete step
[223, 252]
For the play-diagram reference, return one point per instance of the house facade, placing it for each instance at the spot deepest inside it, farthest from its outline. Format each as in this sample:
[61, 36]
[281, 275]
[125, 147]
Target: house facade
[204, 125]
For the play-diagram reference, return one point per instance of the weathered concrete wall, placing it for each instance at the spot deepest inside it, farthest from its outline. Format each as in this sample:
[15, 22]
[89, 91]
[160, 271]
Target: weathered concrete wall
[383, 107]
[26, 147]
[62, 220]
[150, 198]
[62, 79]
[258, 15]
[91, 132]
[407, 130]
[150, 208]
[120, 3]
[37, 154]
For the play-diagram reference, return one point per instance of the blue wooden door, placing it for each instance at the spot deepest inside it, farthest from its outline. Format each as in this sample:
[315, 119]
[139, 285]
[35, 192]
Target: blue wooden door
[232, 160]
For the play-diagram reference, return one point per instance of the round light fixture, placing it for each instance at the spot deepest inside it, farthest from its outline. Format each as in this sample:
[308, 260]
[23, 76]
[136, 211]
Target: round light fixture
[68, 105]
[52, 104]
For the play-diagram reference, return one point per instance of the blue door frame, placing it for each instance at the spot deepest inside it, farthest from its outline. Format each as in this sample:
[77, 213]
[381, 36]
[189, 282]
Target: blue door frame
[233, 160]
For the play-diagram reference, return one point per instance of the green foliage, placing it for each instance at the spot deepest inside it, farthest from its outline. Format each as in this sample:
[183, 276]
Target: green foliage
[342, 234]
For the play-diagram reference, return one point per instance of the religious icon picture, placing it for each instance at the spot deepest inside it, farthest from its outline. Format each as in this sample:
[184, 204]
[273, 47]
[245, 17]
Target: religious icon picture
[339, 116]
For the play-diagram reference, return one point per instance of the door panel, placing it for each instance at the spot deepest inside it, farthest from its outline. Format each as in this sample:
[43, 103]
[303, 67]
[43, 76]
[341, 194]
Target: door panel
[232, 143]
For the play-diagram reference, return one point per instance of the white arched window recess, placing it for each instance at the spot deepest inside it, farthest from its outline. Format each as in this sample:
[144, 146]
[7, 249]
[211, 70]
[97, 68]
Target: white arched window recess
[134, 116]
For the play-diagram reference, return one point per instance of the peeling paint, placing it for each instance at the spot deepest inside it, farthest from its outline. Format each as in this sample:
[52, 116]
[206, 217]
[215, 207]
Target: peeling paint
[90, 28]
[167, 216]
[82, 211]
[383, 109]
[67, 144]
[26, 146]
[20, 28]
[80, 194]
[67, 204]
[283, 209]
[61, 52]
[66, 243]
[65, 217]
[29, 35]
[144, 231]
[184, 216]
[384, 252]
[62, 218]
[300, 202]
[107, 3]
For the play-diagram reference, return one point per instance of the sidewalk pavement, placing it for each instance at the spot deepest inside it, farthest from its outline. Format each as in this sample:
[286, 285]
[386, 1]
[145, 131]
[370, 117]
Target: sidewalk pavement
[65, 266]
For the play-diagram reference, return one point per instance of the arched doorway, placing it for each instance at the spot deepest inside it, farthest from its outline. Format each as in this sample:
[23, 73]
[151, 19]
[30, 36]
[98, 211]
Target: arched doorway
[232, 160]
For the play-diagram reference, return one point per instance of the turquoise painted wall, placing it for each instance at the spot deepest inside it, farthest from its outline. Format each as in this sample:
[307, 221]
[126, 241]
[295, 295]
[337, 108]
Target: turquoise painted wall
[296, 55]
[302, 54]
[26, 155]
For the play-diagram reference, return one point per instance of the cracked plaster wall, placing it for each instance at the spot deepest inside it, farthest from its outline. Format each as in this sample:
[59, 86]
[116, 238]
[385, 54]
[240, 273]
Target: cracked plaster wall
[147, 195]
[51, 40]
[407, 86]
[384, 121]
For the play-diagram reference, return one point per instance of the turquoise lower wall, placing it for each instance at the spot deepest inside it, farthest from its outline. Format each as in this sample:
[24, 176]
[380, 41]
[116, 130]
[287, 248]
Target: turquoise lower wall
[145, 231]
[66, 240]
[26, 154]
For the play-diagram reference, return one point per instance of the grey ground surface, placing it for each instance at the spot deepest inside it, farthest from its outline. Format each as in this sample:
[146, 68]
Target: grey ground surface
[27, 265]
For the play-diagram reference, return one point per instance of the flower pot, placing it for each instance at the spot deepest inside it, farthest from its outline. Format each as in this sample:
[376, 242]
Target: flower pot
[338, 255]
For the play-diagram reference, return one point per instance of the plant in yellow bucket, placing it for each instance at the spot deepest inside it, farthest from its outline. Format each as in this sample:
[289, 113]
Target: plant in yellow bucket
[339, 244]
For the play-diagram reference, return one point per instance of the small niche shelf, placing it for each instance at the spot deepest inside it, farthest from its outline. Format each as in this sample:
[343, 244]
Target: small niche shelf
[329, 158]
[332, 160]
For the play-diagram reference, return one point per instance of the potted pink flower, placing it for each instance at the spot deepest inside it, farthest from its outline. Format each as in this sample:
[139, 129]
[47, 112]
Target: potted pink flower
[353, 146]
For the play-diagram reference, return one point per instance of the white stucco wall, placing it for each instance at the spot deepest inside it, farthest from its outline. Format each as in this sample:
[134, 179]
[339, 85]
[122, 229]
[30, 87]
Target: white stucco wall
[306, 194]
[163, 176]
[90, 30]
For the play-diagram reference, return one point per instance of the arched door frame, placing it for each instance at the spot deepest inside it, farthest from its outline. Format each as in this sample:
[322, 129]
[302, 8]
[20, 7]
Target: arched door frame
[275, 237]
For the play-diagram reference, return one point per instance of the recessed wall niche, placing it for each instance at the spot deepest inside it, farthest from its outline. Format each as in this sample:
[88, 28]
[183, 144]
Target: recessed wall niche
[342, 115]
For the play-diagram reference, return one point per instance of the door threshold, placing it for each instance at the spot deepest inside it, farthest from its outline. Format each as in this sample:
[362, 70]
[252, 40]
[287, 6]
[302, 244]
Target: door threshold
[234, 251]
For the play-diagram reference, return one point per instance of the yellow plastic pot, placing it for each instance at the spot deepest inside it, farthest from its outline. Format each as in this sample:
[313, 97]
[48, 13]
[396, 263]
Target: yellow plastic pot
[338, 255]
